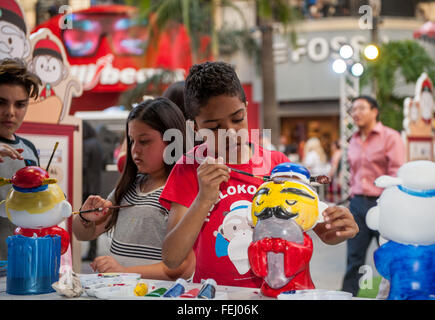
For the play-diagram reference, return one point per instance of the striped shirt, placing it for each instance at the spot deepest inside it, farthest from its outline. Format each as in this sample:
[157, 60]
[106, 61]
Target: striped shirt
[139, 232]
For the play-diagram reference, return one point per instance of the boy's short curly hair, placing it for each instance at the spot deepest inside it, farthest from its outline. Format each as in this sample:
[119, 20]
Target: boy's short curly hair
[207, 80]
[14, 72]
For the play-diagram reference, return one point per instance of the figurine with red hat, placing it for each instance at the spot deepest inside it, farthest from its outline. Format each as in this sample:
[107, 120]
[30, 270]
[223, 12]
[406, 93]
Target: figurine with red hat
[36, 204]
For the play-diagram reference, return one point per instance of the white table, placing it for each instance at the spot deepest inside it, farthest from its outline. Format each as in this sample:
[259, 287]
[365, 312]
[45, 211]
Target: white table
[223, 292]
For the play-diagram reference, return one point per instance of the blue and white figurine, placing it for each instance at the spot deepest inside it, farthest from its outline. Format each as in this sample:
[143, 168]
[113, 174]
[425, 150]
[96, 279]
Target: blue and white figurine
[405, 218]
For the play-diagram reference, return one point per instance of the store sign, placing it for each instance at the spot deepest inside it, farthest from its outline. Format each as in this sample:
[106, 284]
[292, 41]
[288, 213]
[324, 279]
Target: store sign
[105, 49]
[104, 73]
[319, 49]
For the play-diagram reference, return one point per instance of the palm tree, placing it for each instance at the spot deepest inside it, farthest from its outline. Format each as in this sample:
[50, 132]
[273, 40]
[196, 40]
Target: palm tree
[268, 13]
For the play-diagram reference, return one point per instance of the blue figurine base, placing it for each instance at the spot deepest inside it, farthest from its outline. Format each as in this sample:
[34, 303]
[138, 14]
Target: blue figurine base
[409, 268]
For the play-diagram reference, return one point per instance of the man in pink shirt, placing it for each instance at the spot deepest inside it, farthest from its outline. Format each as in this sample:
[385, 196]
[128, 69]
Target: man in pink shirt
[374, 150]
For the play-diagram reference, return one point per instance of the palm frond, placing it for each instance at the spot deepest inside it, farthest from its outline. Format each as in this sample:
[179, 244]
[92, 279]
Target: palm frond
[406, 58]
[153, 86]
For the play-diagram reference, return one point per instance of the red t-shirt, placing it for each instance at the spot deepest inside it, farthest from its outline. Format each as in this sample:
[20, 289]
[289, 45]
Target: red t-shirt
[221, 248]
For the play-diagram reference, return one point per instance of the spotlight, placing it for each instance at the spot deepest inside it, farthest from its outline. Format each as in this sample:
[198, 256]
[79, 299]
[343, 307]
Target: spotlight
[339, 66]
[371, 52]
[346, 51]
[357, 69]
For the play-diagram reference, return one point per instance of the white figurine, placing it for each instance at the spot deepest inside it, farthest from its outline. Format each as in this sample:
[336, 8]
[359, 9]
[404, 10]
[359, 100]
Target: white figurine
[405, 218]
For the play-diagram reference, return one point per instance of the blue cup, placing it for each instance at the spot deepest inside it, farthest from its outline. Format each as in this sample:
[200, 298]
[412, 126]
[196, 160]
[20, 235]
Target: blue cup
[33, 264]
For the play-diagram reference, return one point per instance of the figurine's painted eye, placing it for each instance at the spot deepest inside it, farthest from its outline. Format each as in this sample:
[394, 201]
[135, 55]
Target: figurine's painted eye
[234, 228]
[258, 203]
[260, 192]
[291, 203]
[298, 192]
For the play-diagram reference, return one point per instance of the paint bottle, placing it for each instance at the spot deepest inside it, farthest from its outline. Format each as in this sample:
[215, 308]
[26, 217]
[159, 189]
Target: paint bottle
[177, 289]
[156, 293]
[208, 290]
[193, 293]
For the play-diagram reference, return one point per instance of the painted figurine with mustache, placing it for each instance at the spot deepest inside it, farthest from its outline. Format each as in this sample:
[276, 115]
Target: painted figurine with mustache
[283, 209]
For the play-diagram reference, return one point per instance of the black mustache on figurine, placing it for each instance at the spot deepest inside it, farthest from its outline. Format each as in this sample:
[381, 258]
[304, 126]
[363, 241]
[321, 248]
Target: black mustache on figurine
[277, 211]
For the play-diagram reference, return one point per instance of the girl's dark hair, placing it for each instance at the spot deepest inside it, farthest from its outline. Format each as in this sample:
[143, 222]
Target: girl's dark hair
[14, 72]
[175, 93]
[210, 79]
[160, 114]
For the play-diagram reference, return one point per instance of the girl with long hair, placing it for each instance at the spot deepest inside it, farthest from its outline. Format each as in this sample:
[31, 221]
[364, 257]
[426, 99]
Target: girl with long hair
[138, 228]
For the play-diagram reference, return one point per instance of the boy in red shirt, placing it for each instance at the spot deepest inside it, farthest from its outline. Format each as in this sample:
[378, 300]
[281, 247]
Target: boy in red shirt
[210, 204]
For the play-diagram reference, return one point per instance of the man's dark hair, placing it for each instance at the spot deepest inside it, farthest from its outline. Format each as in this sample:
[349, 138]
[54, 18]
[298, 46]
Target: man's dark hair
[207, 80]
[371, 101]
[14, 72]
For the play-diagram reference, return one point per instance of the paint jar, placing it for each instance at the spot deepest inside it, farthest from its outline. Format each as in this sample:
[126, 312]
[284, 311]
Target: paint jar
[208, 289]
[177, 289]
[33, 264]
[156, 293]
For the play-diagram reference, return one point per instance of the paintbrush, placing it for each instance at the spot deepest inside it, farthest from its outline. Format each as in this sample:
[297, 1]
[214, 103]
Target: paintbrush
[264, 178]
[322, 179]
[101, 209]
[52, 154]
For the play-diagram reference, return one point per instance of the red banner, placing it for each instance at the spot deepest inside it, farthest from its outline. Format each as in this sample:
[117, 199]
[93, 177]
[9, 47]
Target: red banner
[107, 48]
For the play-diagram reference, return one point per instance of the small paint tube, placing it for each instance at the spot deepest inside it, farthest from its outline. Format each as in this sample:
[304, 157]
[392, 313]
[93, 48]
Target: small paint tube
[190, 294]
[208, 290]
[157, 293]
[178, 288]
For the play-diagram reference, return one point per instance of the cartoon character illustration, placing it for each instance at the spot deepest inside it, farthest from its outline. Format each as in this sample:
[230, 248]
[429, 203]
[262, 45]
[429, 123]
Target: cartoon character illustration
[405, 218]
[50, 64]
[235, 235]
[13, 31]
[47, 63]
[36, 204]
[426, 100]
[418, 111]
[282, 211]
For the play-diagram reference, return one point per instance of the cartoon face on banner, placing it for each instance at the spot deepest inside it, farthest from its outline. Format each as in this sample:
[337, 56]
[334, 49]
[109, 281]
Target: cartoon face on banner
[45, 56]
[49, 62]
[13, 31]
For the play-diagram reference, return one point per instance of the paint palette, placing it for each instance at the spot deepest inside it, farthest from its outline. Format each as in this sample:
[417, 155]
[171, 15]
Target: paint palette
[91, 283]
[109, 292]
[126, 291]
